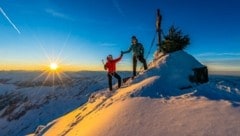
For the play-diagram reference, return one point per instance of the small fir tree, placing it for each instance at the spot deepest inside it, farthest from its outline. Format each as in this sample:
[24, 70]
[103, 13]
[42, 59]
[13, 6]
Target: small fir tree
[174, 41]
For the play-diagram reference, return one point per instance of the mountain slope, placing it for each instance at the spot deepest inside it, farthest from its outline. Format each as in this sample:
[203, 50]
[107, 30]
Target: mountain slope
[155, 105]
[27, 101]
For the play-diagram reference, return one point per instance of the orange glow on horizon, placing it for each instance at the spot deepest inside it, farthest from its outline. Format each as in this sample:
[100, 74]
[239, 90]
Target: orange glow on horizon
[59, 65]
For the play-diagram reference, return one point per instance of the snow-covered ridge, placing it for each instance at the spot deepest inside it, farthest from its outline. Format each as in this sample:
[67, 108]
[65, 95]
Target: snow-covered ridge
[156, 104]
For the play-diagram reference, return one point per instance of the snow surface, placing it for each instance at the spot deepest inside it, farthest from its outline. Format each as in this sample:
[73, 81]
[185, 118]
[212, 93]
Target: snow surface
[27, 99]
[160, 101]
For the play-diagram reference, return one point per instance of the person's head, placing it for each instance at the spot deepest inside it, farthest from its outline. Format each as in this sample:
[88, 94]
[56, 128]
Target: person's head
[109, 57]
[134, 40]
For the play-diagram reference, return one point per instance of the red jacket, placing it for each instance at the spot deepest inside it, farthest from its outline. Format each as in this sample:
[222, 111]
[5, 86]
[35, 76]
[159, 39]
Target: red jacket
[111, 65]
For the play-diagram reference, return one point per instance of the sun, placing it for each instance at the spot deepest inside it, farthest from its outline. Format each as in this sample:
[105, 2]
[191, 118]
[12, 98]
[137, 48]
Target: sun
[53, 66]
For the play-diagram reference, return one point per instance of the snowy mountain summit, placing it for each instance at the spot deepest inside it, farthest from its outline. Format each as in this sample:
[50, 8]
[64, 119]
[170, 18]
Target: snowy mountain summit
[159, 101]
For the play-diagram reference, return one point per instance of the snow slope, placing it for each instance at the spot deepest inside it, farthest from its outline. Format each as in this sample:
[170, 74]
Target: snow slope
[28, 99]
[156, 104]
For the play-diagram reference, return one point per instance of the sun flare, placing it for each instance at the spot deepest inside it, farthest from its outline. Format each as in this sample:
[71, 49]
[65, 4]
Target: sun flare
[53, 66]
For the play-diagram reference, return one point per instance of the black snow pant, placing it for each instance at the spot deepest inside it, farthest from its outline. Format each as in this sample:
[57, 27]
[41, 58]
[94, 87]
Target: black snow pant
[110, 80]
[141, 59]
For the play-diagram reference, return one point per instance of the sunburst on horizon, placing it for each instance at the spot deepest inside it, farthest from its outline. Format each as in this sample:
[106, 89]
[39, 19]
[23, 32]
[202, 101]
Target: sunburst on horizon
[53, 72]
[53, 66]
[54, 75]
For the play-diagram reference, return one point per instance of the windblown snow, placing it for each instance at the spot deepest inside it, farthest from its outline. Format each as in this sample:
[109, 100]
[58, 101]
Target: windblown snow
[160, 101]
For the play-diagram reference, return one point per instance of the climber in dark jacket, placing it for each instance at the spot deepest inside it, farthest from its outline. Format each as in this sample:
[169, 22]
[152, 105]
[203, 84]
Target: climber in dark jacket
[138, 53]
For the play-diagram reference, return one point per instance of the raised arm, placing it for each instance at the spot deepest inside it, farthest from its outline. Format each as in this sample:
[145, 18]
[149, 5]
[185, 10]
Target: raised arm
[105, 66]
[119, 58]
[129, 50]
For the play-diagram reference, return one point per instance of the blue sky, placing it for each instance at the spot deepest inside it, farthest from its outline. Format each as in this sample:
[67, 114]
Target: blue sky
[78, 34]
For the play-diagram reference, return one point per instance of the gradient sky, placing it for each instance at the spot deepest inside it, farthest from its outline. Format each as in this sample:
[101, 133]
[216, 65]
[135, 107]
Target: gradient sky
[80, 33]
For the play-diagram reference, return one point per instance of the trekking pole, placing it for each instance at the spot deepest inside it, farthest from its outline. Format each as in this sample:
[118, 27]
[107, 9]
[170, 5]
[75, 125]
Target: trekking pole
[158, 28]
[153, 40]
[103, 64]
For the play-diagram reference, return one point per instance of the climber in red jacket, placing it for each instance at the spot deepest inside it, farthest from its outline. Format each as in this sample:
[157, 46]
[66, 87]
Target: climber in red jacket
[111, 67]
